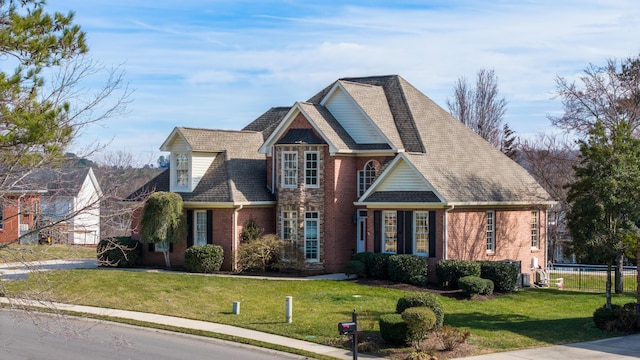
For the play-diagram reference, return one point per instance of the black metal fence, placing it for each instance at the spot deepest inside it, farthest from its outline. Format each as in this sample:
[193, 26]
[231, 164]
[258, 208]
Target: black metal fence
[581, 277]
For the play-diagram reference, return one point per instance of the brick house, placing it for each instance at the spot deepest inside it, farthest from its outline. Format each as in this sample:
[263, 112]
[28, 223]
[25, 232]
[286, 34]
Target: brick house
[367, 164]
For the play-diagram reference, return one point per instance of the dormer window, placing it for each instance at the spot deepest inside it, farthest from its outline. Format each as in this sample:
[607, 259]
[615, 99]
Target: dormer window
[182, 169]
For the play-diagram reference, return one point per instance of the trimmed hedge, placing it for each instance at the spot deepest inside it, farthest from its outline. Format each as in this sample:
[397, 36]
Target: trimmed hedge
[378, 266]
[418, 299]
[409, 269]
[449, 271]
[355, 267]
[474, 285]
[503, 275]
[203, 258]
[119, 252]
[394, 330]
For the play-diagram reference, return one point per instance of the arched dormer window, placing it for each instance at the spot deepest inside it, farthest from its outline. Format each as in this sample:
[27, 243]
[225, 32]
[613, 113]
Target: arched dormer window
[366, 176]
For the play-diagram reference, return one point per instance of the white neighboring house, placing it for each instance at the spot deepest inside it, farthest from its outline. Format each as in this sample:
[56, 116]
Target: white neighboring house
[72, 204]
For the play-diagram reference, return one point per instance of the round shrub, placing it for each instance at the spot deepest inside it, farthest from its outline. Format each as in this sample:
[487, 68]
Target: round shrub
[617, 319]
[203, 258]
[393, 329]
[474, 285]
[378, 266]
[355, 267]
[419, 321]
[417, 299]
[119, 252]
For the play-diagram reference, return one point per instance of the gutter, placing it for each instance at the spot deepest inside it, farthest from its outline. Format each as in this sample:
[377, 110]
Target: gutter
[446, 232]
[234, 245]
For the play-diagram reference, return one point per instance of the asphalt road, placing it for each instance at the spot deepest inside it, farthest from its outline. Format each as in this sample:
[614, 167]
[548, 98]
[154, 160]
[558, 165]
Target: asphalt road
[35, 336]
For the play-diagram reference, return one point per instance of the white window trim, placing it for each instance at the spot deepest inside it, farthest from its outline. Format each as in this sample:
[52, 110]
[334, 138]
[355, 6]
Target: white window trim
[384, 232]
[317, 168]
[295, 170]
[195, 227]
[490, 226]
[535, 230]
[174, 157]
[415, 232]
[317, 221]
[284, 220]
[362, 177]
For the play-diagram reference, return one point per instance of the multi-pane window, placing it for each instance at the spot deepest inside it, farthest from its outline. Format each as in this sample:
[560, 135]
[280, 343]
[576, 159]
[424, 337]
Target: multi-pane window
[491, 231]
[311, 236]
[535, 236]
[182, 169]
[200, 227]
[421, 226]
[160, 247]
[366, 176]
[289, 169]
[289, 226]
[390, 232]
[311, 169]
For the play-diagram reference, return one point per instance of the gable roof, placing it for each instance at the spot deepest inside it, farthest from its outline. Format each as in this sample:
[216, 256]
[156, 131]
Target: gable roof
[236, 176]
[62, 181]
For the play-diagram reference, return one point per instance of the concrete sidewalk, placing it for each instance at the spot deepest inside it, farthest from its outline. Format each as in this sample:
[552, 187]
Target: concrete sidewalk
[619, 348]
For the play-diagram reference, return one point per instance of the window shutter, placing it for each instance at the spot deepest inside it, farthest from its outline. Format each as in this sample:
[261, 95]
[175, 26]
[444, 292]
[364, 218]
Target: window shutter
[432, 234]
[170, 247]
[400, 232]
[151, 247]
[209, 226]
[377, 236]
[189, 228]
[408, 232]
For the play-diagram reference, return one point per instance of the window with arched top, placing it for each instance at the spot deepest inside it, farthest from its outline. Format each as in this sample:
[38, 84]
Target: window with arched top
[366, 176]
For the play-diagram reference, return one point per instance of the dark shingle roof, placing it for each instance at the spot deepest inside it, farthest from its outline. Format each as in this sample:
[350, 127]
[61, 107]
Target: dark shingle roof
[268, 121]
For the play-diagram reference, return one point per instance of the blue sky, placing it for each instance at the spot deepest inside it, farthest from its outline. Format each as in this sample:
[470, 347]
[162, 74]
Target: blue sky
[220, 64]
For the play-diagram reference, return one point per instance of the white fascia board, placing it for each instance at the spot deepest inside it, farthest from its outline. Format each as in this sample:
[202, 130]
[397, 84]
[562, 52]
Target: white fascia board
[267, 146]
[225, 205]
[470, 204]
[94, 182]
[338, 85]
[175, 132]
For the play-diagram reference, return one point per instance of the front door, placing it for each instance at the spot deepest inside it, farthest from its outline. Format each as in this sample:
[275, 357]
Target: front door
[362, 230]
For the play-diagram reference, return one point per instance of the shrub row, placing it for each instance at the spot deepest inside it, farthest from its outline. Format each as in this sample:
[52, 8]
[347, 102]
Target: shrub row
[119, 252]
[503, 275]
[410, 269]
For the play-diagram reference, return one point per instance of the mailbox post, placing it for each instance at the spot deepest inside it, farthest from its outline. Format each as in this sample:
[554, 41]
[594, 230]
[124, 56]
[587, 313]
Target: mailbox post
[351, 328]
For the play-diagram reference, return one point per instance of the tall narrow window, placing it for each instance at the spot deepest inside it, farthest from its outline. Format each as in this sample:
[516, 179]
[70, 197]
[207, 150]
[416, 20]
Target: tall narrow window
[535, 237]
[311, 167]
[289, 226]
[200, 227]
[390, 232]
[366, 176]
[289, 169]
[182, 169]
[311, 236]
[491, 231]
[421, 226]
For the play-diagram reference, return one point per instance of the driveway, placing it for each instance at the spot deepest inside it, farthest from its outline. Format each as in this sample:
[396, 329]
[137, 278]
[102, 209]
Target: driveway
[13, 271]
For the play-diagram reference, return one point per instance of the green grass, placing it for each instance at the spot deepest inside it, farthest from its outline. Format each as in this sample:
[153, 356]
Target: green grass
[530, 318]
[27, 253]
[585, 281]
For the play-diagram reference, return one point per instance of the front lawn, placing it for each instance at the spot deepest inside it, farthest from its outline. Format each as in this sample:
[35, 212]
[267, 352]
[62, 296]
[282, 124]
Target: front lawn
[535, 317]
[26, 253]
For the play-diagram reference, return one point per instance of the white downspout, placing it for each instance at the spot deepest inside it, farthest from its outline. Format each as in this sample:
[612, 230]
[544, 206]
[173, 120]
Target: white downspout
[234, 246]
[446, 232]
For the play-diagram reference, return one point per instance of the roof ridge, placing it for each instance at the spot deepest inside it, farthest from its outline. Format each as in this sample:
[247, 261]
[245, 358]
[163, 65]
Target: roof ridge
[219, 130]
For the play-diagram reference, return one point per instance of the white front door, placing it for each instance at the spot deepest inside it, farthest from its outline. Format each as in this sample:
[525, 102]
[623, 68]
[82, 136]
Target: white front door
[362, 230]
